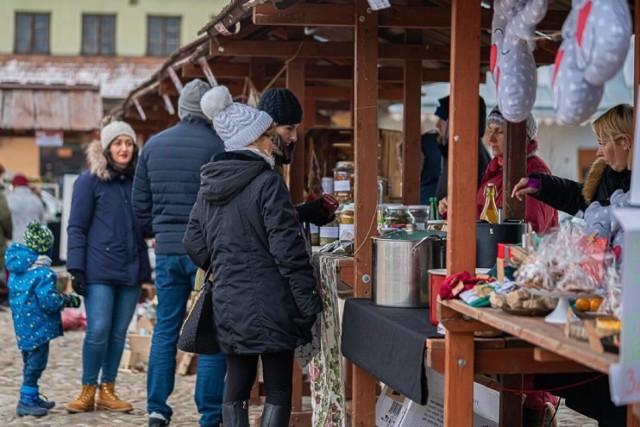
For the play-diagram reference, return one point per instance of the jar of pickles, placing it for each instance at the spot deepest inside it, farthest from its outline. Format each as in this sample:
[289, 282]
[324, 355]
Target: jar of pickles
[418, 215]
[346, 218]
[329, 232]
[395, 214]
[314, 235]
[343, 182]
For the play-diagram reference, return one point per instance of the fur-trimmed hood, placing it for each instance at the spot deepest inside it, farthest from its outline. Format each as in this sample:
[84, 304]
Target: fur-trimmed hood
[590, 187]
[98, 162]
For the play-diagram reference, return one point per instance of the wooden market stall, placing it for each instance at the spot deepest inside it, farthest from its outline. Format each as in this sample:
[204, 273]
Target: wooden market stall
[342, 55]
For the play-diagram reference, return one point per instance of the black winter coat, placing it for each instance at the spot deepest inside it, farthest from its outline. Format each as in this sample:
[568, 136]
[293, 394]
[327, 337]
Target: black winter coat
[245, 226]
[571, 196]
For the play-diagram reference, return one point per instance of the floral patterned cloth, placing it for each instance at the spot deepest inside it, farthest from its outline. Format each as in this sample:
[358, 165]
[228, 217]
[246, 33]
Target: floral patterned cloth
[325, 369]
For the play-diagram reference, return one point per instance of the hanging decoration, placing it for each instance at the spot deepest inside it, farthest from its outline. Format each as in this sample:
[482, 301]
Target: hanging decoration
[512, 64]
[595, 42]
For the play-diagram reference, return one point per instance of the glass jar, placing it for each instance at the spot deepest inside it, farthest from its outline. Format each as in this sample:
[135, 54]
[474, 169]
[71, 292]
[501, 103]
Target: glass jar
[418, 215]
[346, 218]
[329, 232]
[343, 182]
[314, 235]
[395, 214]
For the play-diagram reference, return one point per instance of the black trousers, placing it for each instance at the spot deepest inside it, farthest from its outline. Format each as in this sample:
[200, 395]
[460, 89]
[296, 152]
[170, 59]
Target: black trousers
[277, 372]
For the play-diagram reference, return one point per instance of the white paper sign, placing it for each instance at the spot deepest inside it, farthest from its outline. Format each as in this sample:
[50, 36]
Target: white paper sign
[624, 378]
[49, 138]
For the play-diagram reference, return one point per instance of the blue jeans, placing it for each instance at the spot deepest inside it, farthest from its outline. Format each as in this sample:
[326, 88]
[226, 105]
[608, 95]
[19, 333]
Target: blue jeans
[175, 275]
[109, 312]
[35, 361]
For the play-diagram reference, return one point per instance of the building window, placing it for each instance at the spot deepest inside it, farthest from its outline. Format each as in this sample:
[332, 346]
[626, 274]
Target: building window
[98, 34]
[32, 32]
[163, 36]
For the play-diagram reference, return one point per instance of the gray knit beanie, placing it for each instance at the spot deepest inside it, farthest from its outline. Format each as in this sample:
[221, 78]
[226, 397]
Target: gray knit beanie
[113, 130]
[237, 124]
[496, 117]
[282, 105]
[189, 101]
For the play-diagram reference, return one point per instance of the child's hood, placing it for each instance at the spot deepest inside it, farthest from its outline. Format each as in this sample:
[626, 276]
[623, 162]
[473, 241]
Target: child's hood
[19, 258]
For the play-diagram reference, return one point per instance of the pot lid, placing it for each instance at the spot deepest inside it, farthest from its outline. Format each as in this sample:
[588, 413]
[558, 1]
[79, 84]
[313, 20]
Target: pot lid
[416, 235]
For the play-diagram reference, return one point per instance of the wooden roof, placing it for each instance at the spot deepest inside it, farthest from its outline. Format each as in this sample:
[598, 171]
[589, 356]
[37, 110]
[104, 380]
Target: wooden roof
[251, 44]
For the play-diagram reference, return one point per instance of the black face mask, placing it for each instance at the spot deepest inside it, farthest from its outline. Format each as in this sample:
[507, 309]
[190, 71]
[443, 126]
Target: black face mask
[283, 155]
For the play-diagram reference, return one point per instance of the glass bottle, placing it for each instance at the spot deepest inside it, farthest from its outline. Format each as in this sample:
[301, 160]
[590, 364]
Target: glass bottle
[433, 209]
[490, 210]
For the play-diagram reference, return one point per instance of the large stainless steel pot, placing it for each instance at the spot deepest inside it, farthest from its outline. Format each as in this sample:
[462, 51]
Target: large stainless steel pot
[401, 261]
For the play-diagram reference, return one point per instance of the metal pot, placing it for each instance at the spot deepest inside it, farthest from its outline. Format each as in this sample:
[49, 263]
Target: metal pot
[401, 261]
[489, 235]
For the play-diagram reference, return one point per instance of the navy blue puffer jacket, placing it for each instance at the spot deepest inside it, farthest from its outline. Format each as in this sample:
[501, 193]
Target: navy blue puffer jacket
[168, 177]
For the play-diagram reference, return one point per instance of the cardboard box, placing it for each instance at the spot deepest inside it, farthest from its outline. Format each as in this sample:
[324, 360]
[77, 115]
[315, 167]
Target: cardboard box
[390, 408]
[486, 406]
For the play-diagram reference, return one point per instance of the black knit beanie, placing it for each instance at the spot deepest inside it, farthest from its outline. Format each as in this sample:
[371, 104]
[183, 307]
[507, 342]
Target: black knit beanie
[282, 105]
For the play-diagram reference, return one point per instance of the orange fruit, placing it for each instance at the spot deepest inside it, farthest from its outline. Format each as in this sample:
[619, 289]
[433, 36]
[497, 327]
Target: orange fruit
[583, 304]
[594, 303]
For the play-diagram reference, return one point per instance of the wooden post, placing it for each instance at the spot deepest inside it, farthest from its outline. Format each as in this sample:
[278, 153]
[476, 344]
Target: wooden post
[297, 180]
[515, 167]
[411, 127]
[366, 149]
[463, 166]
[463, 136]
[510, 403]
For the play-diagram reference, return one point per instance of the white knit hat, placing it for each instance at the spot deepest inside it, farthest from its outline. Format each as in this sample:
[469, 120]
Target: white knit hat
[114, 130]
[237, 124]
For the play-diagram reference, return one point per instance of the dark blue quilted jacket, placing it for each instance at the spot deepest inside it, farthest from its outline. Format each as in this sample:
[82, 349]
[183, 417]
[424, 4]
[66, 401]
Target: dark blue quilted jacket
[168, 178]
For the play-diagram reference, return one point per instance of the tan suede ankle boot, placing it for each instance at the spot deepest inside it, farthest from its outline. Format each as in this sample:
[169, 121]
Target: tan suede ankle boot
[85, 401]
[109, 400]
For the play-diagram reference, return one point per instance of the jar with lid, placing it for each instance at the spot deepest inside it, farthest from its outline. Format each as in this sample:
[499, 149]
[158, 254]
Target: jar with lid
[418, 215]
[329, 232]
[346, 218]
[343, 182]
[395, 214]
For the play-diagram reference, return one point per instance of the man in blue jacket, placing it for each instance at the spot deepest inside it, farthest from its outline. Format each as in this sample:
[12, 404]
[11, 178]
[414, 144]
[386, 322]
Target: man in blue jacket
[165, 188]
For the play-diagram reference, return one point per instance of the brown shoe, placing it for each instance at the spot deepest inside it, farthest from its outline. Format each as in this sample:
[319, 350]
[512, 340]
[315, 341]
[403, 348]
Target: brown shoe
[109, 400]
[85, 401]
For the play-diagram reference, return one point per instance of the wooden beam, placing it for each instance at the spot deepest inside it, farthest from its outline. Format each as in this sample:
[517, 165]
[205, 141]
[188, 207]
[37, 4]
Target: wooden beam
[463, 166]
[366, 137]
[412, 95]
[514, 168]
[167, 87]
[404, 17]
[312, 49]
[295, 83]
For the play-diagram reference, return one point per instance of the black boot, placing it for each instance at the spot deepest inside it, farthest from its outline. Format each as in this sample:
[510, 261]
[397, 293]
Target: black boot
[275, 415]
[236, 414]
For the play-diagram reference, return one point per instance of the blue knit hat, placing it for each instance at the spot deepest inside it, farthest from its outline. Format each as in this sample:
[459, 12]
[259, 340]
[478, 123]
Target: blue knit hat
[38, 237]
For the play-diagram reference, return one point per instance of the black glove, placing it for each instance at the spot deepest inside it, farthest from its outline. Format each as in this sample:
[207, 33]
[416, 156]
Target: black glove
[304, 325]
[315, 213]
[78, 282]
[71, 300]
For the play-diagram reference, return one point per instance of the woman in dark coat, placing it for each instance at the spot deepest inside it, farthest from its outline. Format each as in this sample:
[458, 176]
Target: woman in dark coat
[244, 226]
[107, 258]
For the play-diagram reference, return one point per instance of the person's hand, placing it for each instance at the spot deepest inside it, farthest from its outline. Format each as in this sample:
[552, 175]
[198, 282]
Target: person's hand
[304, 324]
[71, 300]
[314, 212]
[443, 206]
[78, 282]
[522, 188]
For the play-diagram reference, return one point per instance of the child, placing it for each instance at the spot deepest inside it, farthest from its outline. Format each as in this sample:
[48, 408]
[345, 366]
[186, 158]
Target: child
[35, 305]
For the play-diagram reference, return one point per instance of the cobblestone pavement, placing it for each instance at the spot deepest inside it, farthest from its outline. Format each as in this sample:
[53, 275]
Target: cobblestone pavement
[61, 383]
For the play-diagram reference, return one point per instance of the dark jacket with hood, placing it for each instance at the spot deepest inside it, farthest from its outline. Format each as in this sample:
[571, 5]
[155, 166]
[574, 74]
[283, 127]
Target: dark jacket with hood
[244, 225]
[168, 177]
[105, 237]
[570, 196]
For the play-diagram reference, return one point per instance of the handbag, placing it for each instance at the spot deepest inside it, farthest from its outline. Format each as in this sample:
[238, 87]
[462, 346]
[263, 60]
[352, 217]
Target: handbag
[198, 332]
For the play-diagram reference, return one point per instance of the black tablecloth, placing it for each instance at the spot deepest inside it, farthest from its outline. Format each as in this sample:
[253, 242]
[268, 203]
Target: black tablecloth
[389, 344]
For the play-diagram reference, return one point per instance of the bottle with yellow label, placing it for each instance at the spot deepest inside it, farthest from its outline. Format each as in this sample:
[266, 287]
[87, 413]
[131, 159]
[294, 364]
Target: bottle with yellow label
[490, 210]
